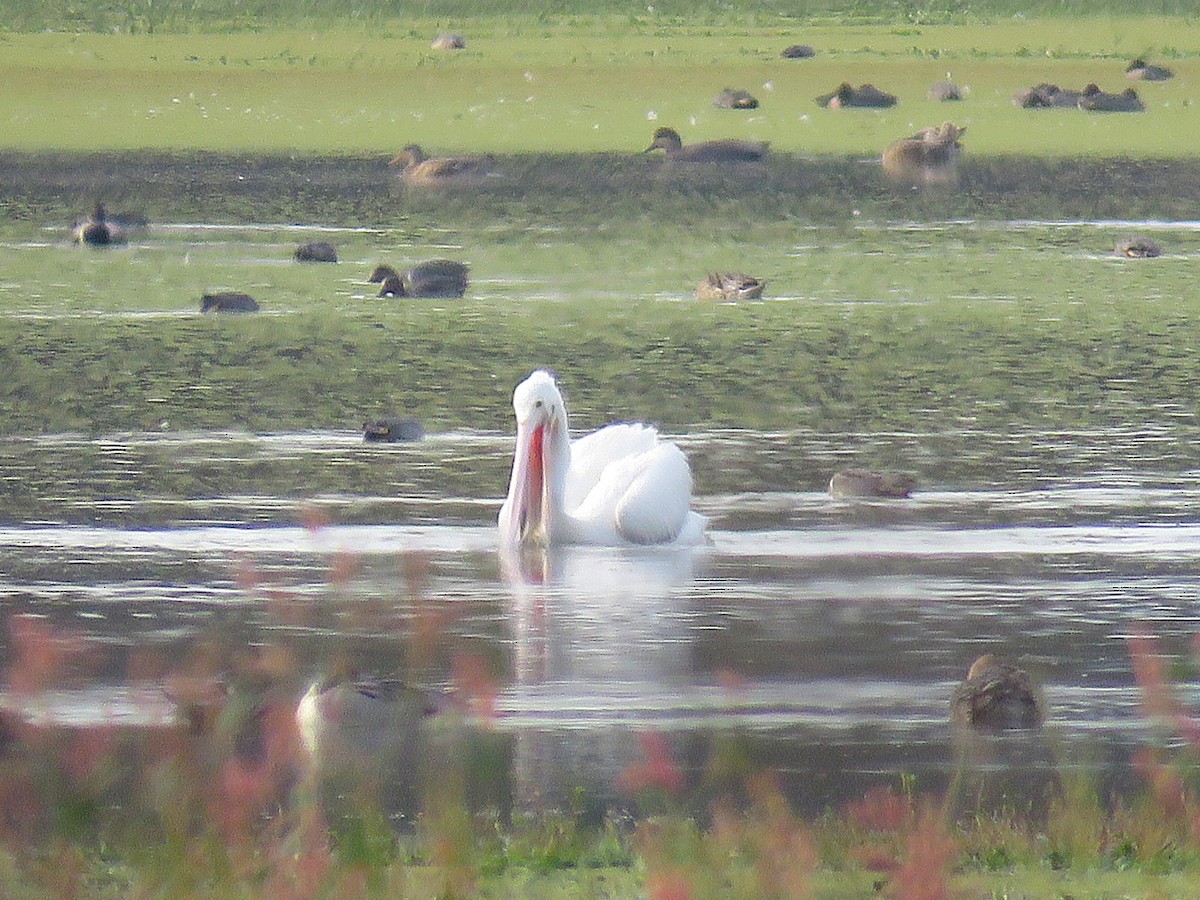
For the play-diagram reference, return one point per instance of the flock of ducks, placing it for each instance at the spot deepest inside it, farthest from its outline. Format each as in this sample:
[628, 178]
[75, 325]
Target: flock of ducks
[434, 278]
[929, 157]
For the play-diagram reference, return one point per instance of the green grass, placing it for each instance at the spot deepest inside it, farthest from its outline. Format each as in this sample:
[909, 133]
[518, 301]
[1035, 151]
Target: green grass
[183, 15]
[584, 87]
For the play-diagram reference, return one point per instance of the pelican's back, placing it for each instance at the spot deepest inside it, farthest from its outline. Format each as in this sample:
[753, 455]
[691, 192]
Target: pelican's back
[591, 454]
[656, 504]
[633, 486]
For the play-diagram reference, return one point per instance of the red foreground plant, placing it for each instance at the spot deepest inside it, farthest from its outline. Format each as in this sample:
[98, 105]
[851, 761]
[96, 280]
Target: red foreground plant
[657, 769]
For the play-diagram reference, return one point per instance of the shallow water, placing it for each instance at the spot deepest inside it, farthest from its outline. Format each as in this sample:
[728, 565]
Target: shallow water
[1049, 522]
[828, 634]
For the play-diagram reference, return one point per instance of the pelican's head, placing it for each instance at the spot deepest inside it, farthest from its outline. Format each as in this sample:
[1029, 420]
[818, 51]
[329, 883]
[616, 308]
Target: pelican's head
[537, 400]
[540, 462]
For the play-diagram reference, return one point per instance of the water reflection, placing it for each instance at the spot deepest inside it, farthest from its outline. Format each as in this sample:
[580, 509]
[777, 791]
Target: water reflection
[594, 615]
[601, 635]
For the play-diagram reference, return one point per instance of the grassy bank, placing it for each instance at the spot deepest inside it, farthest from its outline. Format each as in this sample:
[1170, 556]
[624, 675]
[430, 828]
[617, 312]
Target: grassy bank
[587, 86]
[107, 16]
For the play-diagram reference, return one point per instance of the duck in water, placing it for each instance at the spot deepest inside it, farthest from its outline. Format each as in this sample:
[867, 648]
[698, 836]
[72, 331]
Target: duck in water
[996, 697]
[730, 286]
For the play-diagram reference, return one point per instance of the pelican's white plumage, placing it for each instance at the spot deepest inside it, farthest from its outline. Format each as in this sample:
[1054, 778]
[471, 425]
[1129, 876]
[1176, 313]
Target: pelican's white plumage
[619, 485]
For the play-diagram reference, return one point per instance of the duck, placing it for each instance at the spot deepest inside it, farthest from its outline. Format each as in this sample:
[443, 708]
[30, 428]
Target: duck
[1140, 70]
[929, 156]
[392, 429]
[735, 98]
[1047, 95]
[435, 278]
[417, 168]
[851, 483]
[726, 150]
[345, 713]
[317, 251]
[1139, 247]
[730, 286]
[100, 230]
[449, 41]
[380, 273]
[228, 302]
[1096, 100]
[996, 697]
[798, 51]
[865, 95]
[945, 92]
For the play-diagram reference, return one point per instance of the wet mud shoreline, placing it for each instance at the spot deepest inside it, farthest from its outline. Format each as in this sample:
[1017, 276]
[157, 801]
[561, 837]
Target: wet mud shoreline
[362, 191]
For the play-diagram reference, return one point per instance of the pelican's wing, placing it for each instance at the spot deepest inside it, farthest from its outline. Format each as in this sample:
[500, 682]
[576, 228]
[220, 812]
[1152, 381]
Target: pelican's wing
[593, 453]
[657, 504]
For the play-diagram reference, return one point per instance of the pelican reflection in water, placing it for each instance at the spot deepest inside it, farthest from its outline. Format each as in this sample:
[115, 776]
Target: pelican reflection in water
[603, 651]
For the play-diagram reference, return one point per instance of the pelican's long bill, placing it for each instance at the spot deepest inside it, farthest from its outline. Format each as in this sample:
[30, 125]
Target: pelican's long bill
[525, 509]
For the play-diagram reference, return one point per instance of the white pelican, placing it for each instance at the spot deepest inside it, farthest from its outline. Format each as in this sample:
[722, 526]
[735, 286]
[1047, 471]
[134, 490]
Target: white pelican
[617, 486]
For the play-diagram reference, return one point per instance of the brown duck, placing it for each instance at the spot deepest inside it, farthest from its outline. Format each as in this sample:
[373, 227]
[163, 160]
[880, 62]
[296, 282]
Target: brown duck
[730, 286]
[850, 483]
[435, 278]
[930, 156]
[417, 168]
[1140, 247]
[727, 150]
[996, 697]
[865, 95]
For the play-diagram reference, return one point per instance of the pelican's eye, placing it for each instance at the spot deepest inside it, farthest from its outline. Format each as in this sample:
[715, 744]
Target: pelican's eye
[537, 405]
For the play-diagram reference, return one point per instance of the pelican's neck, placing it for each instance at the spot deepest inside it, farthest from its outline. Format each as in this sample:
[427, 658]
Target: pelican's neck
[556, 456]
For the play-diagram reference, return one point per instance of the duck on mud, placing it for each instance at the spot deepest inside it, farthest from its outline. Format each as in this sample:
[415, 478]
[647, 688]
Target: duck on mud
[724, 150]
[865, 96]
[928, 157]
[418, 169]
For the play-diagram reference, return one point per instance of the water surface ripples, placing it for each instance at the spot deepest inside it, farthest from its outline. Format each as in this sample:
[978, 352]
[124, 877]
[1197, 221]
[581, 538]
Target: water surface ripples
[847, 623]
